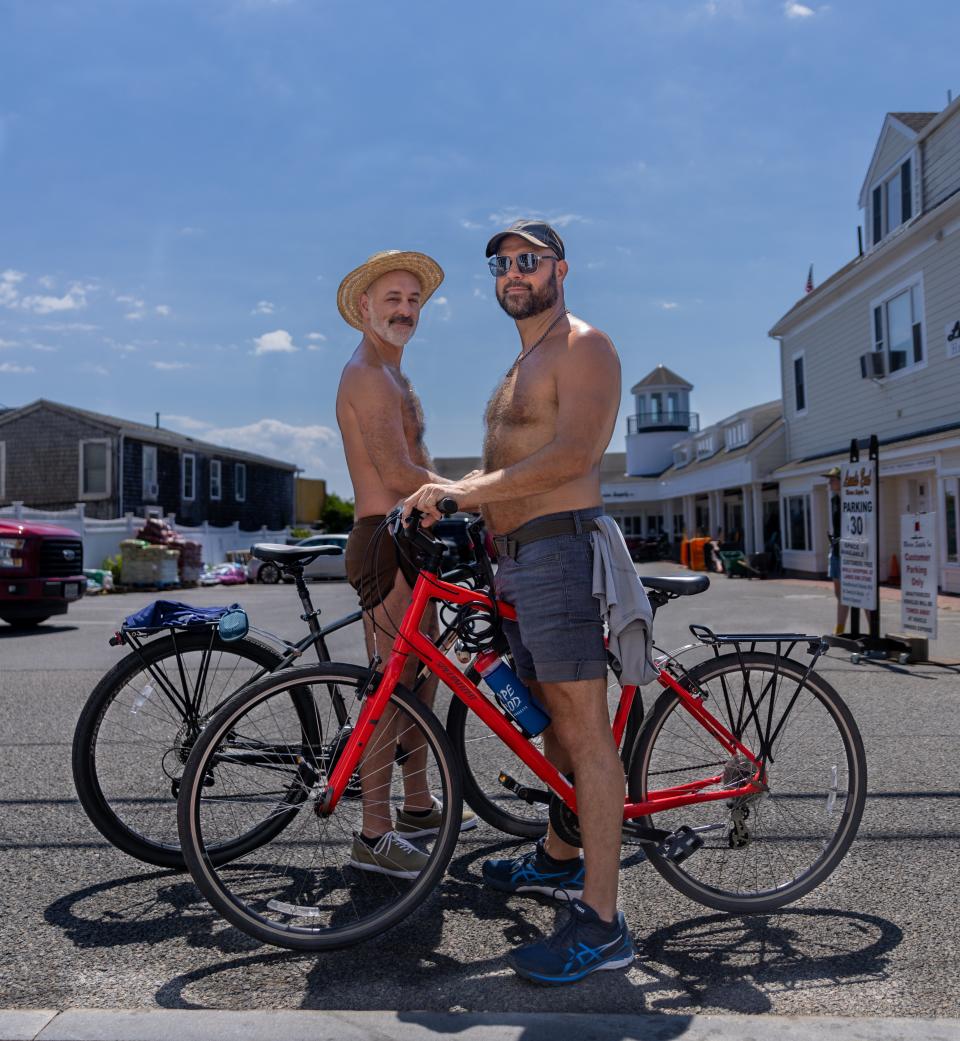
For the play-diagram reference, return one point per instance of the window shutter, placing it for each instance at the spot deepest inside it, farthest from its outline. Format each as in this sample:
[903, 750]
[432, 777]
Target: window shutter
[877, 214]
[878, 328]
[801, 397]
[906, 192]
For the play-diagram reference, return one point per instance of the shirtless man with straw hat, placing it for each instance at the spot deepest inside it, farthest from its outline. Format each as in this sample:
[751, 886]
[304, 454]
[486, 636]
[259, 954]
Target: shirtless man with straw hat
[381, 422]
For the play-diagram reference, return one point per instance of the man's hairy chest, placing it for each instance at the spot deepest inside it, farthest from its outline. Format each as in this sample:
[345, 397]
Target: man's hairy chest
[522, 399]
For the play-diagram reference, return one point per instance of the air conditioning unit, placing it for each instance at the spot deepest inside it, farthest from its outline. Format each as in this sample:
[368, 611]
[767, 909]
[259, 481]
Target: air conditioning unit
[152, 490]
[872, 365]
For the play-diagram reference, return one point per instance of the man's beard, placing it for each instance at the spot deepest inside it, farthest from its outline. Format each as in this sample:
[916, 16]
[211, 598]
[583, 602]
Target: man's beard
[534, 302]
[396, 333]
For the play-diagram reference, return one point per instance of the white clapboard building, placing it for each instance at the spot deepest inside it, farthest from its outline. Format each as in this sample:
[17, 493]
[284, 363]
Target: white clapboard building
[875, 349]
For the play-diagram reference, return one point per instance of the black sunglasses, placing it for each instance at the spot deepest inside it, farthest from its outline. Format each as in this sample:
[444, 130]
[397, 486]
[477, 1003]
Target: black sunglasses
[527, 263]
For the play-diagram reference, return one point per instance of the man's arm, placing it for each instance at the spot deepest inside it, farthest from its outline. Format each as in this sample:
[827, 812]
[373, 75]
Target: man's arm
[588, 386]
[378, 407]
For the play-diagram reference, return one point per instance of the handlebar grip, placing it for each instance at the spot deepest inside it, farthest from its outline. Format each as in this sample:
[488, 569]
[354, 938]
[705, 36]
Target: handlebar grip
[447, 506]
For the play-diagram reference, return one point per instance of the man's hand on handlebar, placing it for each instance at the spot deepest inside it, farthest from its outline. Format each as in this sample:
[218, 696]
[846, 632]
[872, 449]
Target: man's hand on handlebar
[434, 501]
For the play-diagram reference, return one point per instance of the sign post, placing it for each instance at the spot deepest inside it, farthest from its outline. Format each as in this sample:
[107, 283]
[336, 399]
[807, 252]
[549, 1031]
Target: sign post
[859, 554]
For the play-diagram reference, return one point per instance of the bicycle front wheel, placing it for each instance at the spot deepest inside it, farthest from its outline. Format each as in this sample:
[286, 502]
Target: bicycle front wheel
[765, 850]
[138, 726]
[260, 765]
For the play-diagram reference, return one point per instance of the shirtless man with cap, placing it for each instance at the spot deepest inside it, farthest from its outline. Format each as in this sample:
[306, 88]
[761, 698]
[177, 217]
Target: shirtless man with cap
[381, 423]
[547, 426]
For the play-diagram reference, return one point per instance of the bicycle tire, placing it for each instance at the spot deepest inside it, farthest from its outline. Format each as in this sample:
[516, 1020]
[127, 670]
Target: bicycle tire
[305, 913]
[133, 805]
[797, 819]
[483, 756]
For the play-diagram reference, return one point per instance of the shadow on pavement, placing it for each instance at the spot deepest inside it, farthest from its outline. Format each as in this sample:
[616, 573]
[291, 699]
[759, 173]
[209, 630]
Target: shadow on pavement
[9, 632]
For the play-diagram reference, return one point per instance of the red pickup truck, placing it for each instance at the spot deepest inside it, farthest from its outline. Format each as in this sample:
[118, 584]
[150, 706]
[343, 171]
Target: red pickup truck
[41, 571]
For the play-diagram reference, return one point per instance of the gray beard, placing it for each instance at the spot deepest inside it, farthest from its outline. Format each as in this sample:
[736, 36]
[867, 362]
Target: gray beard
[397, 335]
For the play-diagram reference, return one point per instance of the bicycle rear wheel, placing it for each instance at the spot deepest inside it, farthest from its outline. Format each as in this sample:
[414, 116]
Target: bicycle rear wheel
[769, 849]
[258, 766]
[135, 733]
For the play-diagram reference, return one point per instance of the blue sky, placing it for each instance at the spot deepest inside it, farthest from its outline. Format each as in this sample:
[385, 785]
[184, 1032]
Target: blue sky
[183, 185]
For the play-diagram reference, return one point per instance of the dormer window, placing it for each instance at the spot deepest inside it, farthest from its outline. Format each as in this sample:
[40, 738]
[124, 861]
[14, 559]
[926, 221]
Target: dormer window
[891, 202]
[736, 435]
[706, 445]
[681, 456]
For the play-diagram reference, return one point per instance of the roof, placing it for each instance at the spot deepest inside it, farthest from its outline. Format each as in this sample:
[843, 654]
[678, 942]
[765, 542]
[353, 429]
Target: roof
[661, 377]
[145, 432]
[768, 418]
[916, 121]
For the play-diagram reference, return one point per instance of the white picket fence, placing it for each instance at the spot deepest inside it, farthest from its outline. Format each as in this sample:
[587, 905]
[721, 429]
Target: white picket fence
[102, 538]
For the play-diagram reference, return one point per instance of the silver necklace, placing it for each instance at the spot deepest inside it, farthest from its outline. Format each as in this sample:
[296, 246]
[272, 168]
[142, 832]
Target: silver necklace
[537, 343]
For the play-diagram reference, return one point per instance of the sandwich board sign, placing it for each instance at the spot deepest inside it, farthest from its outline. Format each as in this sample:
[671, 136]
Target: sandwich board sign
[858, 534]
[919, 573]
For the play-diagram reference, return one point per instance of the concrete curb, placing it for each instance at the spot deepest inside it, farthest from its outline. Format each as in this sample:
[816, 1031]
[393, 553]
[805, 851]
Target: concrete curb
[209, 1025]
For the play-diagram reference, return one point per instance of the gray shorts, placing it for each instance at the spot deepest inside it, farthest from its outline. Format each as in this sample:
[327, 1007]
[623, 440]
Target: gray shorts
[558, 635]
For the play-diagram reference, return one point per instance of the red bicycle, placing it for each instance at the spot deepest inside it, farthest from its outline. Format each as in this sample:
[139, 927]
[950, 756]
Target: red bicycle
[745, 784]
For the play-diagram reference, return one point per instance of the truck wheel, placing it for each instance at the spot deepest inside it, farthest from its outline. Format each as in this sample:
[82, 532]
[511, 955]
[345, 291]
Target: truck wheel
[26, 623]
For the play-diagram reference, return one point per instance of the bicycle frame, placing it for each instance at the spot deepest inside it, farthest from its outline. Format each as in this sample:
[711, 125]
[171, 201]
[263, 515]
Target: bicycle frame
[410, 640]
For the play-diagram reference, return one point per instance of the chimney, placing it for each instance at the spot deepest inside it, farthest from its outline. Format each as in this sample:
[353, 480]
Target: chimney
[157, 414]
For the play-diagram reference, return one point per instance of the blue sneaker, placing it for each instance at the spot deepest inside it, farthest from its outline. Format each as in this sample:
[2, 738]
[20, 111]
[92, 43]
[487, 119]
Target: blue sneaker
[581, 945]
[533, 873]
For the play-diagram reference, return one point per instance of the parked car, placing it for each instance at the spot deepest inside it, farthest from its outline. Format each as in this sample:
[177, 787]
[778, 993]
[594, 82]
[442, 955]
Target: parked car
[228, 574]
[329, 565]
[41, 571]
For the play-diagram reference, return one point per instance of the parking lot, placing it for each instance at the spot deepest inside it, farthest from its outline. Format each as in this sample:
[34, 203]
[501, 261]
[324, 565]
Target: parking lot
[84, 925]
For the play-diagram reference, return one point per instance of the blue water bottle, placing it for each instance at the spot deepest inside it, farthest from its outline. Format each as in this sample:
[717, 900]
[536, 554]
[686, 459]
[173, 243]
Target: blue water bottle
[511, 693]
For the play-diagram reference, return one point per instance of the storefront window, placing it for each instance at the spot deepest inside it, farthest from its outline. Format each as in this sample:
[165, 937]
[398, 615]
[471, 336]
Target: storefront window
[951, 519]
[797, 517]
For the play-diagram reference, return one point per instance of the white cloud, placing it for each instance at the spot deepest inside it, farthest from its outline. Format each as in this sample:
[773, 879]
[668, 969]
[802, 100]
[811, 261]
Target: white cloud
[43, 348]
[316, 336]
[162, 309]
[9, 294]
[469, 224]
[94, 369]
[264, 307]
[7, 343]
[124, 348]
[170, 366]
[189, 232]
[596, 265]
[133, 316]
[277, 342]
[46, 282]
[479, 294]
[669, 305]
[442, 308]
[74, 299]
[314, 448]
[13, 368]
[126, 298]
[67, 327]
[503, 218]
[792, 9]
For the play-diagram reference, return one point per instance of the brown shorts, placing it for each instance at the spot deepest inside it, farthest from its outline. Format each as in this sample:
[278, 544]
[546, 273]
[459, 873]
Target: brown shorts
[372, 561]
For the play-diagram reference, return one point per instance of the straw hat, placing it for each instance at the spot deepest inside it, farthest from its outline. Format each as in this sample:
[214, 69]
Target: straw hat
[426, 270]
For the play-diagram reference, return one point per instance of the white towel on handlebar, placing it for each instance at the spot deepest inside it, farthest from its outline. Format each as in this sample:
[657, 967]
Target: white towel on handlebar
[623, 603]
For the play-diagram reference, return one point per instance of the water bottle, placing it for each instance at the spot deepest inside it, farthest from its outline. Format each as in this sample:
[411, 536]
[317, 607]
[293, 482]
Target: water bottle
[141, 698]
[511, 693]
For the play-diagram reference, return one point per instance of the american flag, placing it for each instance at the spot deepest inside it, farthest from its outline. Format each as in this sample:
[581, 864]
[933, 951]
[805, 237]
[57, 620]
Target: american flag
[809, 285]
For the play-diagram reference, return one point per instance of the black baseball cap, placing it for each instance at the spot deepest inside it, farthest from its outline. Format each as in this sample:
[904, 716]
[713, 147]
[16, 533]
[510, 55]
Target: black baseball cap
[536, 231]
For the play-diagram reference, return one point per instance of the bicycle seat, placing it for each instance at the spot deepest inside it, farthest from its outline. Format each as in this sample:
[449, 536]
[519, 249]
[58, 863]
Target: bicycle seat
[678, 585]
[291, 554]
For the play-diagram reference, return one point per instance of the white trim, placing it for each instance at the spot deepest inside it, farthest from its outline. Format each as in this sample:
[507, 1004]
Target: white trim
[108, 476]
[219, 471]
[889, 122]
[879, 301]
[850, 284]
[183, 476]
[237, 469]
[799, 412]
[3, 470]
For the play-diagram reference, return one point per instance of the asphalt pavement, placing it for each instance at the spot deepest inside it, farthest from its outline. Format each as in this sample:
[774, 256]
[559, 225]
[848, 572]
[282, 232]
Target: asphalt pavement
[84, 927]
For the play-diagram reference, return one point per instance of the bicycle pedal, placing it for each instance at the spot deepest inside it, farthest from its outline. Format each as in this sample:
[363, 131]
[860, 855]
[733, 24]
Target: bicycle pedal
[529, 795]
[682, 843]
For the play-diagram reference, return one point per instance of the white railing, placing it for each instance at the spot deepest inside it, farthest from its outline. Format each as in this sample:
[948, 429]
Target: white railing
[102, 538]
